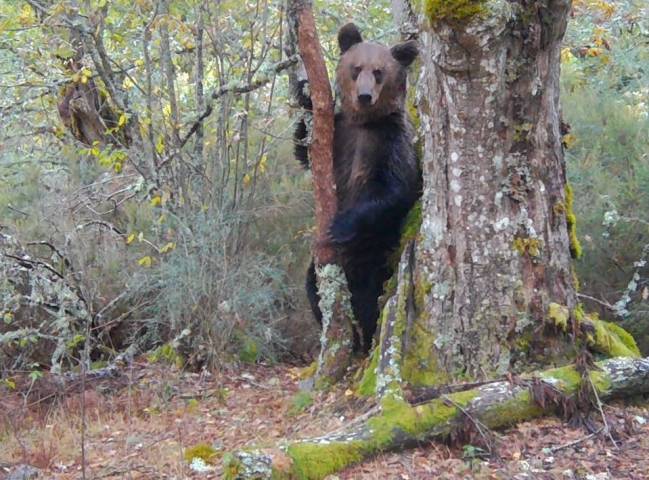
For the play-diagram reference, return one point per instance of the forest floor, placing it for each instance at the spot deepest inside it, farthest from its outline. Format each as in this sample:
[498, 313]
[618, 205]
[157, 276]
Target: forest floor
[143, 424]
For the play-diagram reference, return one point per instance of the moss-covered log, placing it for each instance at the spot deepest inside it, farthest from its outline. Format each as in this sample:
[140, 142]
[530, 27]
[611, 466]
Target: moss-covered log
[399, 424]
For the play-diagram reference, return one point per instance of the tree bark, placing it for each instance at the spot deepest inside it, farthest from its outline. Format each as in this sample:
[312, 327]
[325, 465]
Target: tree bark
[399, 425]
[493, 251]
[335, 299]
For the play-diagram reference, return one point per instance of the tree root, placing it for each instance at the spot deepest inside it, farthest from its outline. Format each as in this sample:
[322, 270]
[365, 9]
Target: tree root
[400, 425]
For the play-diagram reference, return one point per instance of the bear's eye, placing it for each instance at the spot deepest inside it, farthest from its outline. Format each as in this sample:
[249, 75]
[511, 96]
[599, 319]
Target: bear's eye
[378, 75]
[356, 71]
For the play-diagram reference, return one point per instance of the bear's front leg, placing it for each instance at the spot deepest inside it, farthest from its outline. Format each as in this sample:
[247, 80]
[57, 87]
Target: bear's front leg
[344, 227]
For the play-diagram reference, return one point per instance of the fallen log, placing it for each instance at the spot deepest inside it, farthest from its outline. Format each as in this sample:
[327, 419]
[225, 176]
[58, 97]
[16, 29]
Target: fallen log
[399, 425]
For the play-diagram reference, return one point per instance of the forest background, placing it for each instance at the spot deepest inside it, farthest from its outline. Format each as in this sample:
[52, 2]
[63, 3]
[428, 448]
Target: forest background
[150, 202]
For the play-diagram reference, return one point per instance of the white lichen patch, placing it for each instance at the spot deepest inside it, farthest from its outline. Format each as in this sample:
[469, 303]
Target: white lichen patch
[501, 224]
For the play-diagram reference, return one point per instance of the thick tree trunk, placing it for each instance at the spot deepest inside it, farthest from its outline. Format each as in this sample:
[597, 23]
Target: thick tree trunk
[493, 251]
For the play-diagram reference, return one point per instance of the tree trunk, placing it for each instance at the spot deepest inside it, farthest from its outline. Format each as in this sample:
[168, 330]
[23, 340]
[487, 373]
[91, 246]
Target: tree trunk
[493, 251]
[335, 299]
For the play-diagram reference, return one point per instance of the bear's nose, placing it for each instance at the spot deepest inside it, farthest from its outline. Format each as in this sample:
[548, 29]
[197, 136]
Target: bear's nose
[365, 99]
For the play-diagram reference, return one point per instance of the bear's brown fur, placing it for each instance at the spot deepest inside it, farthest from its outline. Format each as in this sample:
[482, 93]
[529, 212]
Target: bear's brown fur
[375, 167]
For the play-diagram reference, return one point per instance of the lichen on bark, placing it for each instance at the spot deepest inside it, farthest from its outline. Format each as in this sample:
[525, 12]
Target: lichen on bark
[336, 337]
[397, 423]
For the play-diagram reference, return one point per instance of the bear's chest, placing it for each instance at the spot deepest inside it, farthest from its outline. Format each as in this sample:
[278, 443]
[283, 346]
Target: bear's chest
[359, 154]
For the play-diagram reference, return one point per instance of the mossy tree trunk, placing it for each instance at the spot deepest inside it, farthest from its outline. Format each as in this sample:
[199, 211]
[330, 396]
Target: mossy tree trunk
[493, 250]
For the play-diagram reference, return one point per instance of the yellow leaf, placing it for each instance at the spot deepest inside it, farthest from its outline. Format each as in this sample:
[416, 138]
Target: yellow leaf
[130, 239]
[160, 145]
[156, 201]
[128, 84]
[246, 180]
[122, 120]
[168, 247]
[166, 111]
[27, 16]
[145, 261]
[569, 140]
[117, 167]
[567, 56]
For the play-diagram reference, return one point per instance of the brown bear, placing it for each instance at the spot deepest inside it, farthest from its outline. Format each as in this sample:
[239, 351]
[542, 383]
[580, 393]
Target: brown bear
[375, 167]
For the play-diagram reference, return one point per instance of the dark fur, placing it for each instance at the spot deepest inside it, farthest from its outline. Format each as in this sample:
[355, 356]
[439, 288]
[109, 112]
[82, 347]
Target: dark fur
[301, 150]
[376, 173]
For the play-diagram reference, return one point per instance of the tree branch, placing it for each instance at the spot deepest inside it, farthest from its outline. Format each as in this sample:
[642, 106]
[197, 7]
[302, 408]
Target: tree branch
[495, 405]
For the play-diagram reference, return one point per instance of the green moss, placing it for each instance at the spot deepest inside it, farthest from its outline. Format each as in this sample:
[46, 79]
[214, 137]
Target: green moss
[575, 278]
[523, 341]
[409, 232]
[528, 246]
[559, 315]
[611, 339]
[300, 402]
[511, 412]
[571, 379]
[452, 10]
[414, 114]
[248, 352]
[166, 354]
[317, 460]
[367, 385]
[419, 366]
[308, 372]
[571, 221]
[418, 422]
[203, 451]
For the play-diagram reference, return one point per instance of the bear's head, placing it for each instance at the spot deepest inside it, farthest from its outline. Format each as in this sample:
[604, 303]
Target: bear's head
[370, 77]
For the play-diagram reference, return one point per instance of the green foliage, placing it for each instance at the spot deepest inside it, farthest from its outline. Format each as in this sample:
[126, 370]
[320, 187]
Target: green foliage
[605, 100]
[167, 354]
[211, 300]
[205, 452]
[301, 402]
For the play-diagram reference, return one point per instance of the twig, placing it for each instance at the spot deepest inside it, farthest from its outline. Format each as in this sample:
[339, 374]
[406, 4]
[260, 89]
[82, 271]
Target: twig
[28, 261]
[14, 209]
[576, 442]
[486, 436]
[604, 304]
[101, 223]
[601, 412]
[224, 90]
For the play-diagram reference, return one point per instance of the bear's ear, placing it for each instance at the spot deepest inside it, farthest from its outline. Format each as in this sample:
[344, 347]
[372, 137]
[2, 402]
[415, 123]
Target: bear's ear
[348, 36]
[405, 53]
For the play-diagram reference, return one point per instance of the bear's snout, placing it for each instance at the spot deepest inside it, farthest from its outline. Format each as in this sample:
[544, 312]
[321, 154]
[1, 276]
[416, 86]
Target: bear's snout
[365, 99]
